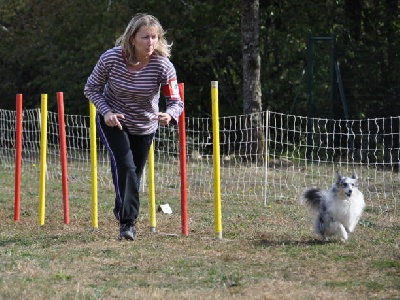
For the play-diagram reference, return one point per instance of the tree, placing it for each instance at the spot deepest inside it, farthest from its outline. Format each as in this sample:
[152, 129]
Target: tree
[52, 45]
[251, 75]
[251, 57]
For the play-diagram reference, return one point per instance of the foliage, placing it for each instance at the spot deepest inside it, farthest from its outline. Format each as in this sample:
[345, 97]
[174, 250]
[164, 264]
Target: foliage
[49, 46]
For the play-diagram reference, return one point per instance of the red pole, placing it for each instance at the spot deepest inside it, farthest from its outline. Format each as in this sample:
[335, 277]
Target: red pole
[182, 159]
[18, 156]
[63, 154]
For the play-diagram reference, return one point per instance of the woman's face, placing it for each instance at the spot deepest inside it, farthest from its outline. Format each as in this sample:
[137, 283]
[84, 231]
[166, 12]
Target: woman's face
[145, 41]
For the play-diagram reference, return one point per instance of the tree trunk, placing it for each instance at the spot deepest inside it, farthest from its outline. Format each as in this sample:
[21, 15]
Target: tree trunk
[252, 106]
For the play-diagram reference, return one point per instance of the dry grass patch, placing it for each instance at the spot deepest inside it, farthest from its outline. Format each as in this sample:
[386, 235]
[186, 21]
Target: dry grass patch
[266, 253]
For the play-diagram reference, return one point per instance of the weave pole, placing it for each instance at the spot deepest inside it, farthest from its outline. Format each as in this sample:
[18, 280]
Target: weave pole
[152, 190]
[63, 154]
[182, 160]
[216, 159]
[43, 156]
[18, 156]
[93, 161]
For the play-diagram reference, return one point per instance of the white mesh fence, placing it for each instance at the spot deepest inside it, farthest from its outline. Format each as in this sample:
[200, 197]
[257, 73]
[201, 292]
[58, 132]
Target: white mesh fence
[266, 157]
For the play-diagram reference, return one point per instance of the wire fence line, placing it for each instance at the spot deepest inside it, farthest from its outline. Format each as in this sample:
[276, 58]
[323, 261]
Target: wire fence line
[267, 157]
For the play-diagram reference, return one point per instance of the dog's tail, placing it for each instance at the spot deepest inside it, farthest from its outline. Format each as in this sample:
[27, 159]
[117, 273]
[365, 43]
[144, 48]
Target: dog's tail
[312, 197]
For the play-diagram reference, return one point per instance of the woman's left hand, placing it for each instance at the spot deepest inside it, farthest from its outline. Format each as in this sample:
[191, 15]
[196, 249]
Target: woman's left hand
[163, 118]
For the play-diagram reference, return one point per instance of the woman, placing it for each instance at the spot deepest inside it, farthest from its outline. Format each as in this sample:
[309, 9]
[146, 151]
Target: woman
[125, 87]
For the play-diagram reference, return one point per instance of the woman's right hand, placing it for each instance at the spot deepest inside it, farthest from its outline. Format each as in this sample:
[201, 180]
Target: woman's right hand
[112, 119]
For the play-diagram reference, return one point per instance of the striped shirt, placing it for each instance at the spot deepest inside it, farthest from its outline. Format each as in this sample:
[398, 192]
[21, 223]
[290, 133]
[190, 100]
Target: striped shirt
[135, 94]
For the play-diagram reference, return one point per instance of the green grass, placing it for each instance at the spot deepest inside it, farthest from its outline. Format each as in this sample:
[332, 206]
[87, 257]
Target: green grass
[266, 252]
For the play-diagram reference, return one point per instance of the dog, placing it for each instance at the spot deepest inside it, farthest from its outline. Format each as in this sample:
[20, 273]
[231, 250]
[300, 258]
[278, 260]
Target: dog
[338, 210]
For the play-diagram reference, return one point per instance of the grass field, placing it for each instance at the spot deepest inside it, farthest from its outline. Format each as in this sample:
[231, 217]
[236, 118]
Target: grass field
[266, 252]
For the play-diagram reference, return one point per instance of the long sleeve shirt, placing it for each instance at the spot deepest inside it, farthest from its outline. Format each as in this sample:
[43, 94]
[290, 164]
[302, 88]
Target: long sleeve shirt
[135, 94]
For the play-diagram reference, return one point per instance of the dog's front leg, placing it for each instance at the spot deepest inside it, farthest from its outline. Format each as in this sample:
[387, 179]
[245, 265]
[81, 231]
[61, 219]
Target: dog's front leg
[342, 232]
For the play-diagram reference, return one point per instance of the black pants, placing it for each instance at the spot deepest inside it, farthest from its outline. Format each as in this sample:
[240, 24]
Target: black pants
[128, 155]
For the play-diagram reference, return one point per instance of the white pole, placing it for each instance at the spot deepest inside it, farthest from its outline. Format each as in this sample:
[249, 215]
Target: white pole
[266, 155]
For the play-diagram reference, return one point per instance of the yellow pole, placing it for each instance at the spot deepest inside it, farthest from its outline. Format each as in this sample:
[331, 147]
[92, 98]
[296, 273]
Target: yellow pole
[152, 192]
[43, 155]
[93, 159]
[216, 156]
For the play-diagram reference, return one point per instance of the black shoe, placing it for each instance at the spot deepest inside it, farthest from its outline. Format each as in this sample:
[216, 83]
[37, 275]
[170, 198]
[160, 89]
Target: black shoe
[127, 231]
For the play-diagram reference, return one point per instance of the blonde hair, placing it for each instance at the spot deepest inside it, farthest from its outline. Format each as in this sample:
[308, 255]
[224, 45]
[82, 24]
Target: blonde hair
[139, 20]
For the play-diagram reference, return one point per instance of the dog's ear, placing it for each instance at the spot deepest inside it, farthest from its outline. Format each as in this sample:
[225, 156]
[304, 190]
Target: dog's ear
[354, 176]
[338, 175]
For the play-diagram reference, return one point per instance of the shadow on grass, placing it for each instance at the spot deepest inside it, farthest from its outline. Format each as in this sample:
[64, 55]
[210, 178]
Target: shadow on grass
[264, 243]
[16, 240]
[44, 240]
